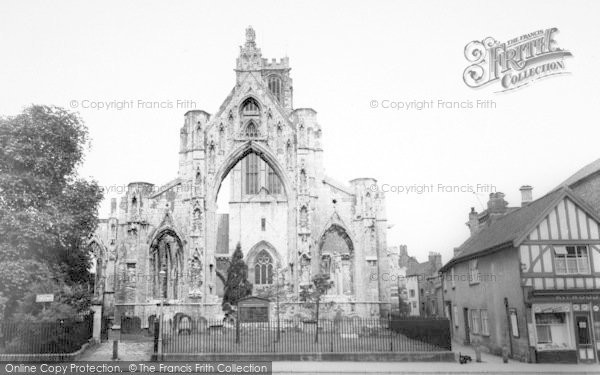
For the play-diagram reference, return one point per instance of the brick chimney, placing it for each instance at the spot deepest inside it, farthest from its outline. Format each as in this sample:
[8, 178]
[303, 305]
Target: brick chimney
[473, 222]
[526, 195]
[497, 204]
[496, 207]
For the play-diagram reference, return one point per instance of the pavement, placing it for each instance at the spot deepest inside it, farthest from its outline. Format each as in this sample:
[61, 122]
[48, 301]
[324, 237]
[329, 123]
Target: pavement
[128, 351]
[489, 365]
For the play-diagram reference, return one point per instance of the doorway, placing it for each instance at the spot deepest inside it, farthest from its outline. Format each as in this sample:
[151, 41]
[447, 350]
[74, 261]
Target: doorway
[583, 339]
[467, 333]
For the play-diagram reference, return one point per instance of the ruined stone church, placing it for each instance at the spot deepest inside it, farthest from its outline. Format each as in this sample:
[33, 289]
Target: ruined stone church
[173, 243]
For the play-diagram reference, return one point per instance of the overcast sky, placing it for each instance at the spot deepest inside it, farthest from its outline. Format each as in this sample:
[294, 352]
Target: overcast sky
[343, 54]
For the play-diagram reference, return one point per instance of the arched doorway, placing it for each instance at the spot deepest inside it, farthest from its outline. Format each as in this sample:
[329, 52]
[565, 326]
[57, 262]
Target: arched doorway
[260, 182]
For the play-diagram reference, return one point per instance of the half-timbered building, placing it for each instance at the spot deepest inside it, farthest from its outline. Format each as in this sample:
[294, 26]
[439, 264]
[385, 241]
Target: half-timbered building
[528, 279]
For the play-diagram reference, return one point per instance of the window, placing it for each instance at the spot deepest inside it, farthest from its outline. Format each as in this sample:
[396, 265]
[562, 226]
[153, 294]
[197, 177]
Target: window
[473, 272]
[250, 107]
[275, 87]
[252, 174]
[414, 305]
[273, 182]
[571, 260]
[475, 322]
[546, 324]
[251, 130]
[455, 315]
[263, 270]
[263, 224]
[485, 330]
[412, 292]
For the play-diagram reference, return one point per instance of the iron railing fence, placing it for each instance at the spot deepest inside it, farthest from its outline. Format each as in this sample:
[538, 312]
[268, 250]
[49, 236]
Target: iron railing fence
[302, 336]
[45, 337]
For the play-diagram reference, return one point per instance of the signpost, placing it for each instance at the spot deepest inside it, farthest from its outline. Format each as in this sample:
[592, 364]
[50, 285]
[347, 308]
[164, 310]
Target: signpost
[44, 299]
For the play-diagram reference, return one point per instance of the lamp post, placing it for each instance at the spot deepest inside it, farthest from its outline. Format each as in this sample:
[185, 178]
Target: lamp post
[163, 294]
[277, 303]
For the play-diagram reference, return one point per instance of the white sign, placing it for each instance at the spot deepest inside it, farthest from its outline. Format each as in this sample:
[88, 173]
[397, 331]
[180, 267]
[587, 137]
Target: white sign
[44, 298]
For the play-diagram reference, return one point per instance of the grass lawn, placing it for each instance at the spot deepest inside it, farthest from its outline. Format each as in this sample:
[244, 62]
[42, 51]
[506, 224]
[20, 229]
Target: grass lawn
[293, 340]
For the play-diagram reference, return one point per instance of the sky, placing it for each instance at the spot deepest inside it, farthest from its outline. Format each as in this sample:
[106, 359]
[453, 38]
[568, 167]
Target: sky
[344, 56]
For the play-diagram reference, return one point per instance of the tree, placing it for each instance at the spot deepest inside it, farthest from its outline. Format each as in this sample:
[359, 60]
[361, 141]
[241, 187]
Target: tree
[46, 210]
[237, 285]
[313, 293]
[403, 306]
[276, 292]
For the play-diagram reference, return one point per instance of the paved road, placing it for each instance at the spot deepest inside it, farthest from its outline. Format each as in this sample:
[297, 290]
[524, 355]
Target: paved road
[142, 351]
[387, 368]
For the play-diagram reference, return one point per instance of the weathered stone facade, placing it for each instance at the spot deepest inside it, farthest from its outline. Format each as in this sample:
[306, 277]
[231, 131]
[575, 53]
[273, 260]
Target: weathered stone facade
[313, 224]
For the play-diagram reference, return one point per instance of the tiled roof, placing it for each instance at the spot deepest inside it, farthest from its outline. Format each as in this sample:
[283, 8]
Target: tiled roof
[581, 174]
[506, 229]
[420, 269]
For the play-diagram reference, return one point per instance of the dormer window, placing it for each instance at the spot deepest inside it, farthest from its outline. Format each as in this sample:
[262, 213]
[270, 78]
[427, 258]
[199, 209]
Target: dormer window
[250, 107]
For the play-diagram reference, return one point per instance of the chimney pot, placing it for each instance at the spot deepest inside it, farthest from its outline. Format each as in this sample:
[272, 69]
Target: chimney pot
[526, 195]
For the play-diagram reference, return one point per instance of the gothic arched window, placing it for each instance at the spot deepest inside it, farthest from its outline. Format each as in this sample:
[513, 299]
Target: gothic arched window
[263, 269]
[166, 265]
[276, 87]
[273, 182]
[251, 130]
[250, 107]
[252, 170]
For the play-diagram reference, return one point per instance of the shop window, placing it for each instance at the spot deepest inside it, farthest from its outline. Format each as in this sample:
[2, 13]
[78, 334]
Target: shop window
[571, 260]
[552, 331]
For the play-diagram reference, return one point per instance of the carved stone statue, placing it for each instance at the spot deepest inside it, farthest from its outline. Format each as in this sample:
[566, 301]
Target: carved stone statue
[195, 280]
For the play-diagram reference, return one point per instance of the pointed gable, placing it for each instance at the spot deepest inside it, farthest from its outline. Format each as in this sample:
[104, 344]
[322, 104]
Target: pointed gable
[565, 221]
[540, 218]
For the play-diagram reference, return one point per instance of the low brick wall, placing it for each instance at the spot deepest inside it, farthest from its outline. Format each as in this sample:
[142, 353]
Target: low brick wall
[441, 356]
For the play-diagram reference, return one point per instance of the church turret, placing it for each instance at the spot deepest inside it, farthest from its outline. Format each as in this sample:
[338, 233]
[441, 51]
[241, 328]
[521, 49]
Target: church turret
[275, 73]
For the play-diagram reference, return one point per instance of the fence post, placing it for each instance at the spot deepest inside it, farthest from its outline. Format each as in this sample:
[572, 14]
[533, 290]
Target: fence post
[237, 330]
[156, 333]
[391, 332]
